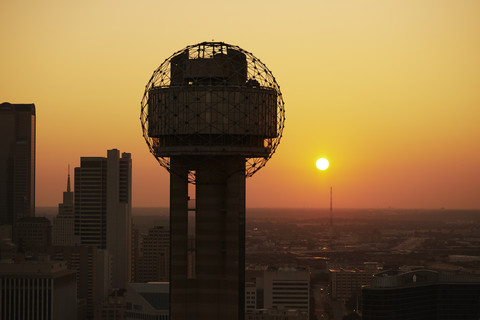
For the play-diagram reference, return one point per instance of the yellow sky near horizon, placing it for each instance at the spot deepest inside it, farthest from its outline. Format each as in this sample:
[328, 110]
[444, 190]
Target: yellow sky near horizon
[388, 91]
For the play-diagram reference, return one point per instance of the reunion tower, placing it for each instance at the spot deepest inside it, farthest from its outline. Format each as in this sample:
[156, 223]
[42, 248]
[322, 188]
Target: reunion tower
[212, 114]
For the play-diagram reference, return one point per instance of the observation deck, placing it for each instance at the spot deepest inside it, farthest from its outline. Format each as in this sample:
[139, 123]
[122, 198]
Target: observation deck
[211, 107]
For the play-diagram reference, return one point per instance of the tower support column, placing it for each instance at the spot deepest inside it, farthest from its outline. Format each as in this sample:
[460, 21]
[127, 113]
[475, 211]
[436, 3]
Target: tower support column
[217, 289]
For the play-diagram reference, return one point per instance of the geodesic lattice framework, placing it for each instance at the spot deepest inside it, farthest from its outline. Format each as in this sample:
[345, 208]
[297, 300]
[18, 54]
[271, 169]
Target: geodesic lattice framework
[239, 103]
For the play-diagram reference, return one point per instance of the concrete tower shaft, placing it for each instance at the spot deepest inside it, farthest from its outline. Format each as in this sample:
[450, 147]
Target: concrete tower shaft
[207, 274]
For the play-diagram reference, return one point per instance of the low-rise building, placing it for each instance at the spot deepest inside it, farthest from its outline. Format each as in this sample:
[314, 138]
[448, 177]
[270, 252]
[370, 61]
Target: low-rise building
[113, 307]
[346, 283]
[421, 295]
[37, 290]
[281, 289]
[147, 301]
[271, 314]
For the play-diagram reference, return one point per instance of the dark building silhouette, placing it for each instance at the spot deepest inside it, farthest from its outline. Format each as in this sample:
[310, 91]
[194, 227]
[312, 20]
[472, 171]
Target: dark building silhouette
[17, 162]
[147, 301]
[37, 290]
[212, 114]
[136, 252]
[277, 289]
[103, 209]
[92, 269]
[421, 295]
[63, 233]
[33, 234]
[153, 263]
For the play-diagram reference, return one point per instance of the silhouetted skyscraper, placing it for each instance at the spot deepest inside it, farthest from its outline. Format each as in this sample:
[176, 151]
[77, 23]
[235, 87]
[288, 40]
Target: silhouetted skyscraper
[103, 206]
[63, 232]
[17, 162]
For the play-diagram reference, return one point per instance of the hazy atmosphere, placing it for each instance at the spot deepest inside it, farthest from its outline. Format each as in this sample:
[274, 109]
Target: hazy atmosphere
[388, 91]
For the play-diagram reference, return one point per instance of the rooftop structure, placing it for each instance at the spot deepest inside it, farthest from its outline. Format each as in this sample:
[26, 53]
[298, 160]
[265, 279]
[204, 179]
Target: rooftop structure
[37, 290]
[147, 301]
[421, 294]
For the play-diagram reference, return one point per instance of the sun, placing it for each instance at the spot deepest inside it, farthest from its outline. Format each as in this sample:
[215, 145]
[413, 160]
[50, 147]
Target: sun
[322, 164]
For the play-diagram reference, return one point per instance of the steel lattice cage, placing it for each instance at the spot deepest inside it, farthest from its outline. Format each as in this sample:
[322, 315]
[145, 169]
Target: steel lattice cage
[209, 99]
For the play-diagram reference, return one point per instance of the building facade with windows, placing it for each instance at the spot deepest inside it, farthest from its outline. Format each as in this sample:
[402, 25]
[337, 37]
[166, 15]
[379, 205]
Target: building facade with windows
[153, 263]
[421, 295]
[103, 209]
[37, 290]
[92, 272]
[281, 289]
[33, 234]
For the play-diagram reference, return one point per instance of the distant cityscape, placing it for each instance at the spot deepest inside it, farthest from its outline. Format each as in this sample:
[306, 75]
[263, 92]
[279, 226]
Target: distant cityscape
[207, 256]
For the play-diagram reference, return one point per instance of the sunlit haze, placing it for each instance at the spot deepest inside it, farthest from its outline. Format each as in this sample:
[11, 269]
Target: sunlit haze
[388, 91]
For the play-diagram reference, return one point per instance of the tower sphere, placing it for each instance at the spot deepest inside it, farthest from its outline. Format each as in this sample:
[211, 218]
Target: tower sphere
[213, 99]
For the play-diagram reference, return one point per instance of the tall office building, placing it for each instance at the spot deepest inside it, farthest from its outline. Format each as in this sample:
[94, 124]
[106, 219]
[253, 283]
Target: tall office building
[63, 232]
[103, 206]
[17, 162]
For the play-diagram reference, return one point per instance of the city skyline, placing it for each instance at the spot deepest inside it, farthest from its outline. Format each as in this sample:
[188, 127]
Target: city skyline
[388, 92]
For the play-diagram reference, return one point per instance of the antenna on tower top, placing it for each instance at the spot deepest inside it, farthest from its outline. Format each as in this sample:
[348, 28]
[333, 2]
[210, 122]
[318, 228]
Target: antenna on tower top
[331, 208]
[68, 179]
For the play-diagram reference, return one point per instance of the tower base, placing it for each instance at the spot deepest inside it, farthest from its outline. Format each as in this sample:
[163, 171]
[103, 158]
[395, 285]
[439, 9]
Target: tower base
[207, 272]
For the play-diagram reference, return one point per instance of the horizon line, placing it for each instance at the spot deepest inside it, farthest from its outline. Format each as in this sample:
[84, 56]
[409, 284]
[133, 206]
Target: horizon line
[316, 208]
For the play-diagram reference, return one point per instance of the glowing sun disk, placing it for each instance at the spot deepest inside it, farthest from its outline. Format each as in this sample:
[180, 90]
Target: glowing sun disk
[322, 164]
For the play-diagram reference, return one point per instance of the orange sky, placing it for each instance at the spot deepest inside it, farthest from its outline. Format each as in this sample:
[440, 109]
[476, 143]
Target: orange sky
[388, 91]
